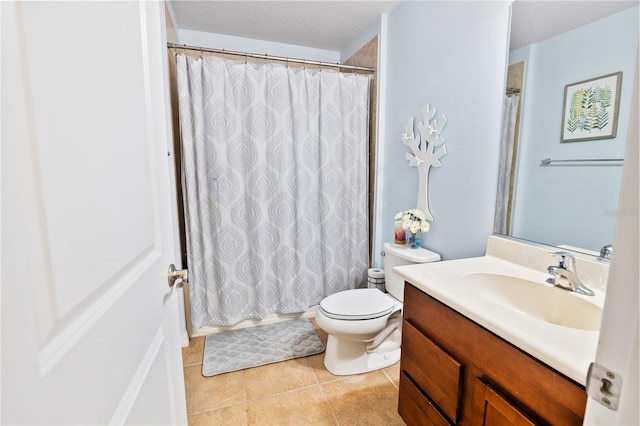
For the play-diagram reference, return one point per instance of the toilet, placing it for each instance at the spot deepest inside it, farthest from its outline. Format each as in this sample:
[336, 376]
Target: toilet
[364, 325]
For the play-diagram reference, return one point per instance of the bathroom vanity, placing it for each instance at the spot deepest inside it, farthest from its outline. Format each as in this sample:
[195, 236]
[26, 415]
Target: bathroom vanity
[472, 354]
[455, 372]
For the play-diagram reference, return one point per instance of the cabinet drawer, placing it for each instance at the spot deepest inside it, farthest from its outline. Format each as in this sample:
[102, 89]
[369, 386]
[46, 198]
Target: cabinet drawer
[493, 409]
[436, 372]
[414, 408]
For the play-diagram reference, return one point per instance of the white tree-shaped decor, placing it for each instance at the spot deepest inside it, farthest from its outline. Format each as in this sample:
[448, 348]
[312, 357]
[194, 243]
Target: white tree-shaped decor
[427, 150]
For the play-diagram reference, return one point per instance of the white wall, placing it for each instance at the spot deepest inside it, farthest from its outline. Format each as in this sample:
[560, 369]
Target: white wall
[451, 55]
[586, 194]
[260, 47]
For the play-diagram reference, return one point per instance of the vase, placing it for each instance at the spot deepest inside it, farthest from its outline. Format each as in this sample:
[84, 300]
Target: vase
[412, 240]
[399, 232]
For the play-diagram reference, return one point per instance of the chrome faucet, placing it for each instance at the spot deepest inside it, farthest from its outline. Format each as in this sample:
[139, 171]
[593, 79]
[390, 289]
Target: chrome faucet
[567, 269]
[606, 252]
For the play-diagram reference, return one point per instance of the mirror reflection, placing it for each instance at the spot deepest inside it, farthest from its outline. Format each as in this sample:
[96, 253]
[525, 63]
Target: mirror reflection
[565, 193]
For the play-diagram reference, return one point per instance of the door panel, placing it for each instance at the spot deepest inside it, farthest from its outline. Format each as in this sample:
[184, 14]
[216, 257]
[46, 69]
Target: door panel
[83, 133]
[89, 325]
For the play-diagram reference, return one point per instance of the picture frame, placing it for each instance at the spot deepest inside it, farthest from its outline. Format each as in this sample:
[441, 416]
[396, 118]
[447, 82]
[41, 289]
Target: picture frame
[590, 109]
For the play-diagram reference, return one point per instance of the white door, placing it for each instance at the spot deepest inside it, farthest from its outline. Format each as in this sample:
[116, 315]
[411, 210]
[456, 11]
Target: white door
[618, 343]
[89, 324]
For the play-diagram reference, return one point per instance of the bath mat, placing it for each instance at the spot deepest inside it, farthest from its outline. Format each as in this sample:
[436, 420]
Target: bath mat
[260, 345]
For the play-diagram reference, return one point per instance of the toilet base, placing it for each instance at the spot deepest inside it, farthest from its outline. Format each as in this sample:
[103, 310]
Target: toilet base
[345, 357]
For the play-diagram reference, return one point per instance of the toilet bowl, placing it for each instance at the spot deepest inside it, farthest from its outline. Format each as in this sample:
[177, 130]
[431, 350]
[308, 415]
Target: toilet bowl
[364, 325]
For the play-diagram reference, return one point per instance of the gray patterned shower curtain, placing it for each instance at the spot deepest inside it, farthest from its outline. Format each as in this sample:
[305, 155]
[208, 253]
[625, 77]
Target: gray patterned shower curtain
[505, 169]
[275, 186]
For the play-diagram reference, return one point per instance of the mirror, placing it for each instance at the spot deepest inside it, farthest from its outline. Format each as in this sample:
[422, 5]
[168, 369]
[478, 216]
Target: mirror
[565, 193]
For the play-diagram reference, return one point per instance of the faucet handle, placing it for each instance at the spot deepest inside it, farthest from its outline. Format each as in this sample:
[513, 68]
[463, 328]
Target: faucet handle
[567, 269]
[606, 252]
[564, 257]
[554, 271]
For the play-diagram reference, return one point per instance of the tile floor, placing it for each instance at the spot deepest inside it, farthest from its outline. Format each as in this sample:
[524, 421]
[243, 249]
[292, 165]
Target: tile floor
[299, 392]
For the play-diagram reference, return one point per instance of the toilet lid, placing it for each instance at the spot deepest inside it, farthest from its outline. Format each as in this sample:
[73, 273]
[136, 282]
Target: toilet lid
[358, 304]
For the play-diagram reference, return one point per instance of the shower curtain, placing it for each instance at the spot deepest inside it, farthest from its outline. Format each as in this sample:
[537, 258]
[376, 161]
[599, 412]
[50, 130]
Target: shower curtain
[510, 112]
[275, 186]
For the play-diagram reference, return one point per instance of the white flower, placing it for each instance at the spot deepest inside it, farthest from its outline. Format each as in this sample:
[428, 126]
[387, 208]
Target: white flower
[413, 220]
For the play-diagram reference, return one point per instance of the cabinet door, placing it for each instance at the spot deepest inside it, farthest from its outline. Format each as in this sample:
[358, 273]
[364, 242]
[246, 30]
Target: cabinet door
[492, 409]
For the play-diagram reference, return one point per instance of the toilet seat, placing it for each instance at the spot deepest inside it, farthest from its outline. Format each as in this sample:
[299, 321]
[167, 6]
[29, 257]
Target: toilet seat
[357, 304]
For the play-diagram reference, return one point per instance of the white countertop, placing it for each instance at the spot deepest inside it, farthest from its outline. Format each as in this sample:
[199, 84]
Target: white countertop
[568, 350]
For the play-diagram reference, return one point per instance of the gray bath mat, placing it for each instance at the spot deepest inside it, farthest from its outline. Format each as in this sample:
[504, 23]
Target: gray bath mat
[264, 344]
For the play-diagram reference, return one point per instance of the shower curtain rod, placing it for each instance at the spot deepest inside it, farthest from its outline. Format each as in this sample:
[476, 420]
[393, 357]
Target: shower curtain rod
[265, 56]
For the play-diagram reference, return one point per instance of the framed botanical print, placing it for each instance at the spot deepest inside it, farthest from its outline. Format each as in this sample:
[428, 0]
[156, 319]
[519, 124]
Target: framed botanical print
[590, 109]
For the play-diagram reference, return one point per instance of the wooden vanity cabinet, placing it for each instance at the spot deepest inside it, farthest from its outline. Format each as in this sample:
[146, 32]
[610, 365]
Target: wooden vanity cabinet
[491, 408]
[455, 372]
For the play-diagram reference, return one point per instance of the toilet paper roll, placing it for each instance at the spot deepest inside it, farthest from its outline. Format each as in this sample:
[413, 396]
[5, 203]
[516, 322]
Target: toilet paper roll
[376, 273]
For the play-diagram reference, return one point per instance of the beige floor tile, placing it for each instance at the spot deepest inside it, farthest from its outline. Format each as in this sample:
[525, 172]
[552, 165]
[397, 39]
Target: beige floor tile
[301, 407]
[208, 393]
[287, 393]
[393, 373]
[234, 415]
[367, 399]
[192, 354]
[279, 377]
[322, 374]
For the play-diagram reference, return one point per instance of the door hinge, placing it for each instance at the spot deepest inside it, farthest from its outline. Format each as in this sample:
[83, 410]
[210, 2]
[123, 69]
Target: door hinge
[604, 386]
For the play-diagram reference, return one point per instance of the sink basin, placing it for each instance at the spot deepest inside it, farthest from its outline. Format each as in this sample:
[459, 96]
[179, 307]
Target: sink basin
[542, 301]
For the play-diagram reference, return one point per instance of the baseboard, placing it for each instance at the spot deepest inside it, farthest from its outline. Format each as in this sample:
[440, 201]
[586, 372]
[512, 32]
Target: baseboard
[269, 319]
[184, 338]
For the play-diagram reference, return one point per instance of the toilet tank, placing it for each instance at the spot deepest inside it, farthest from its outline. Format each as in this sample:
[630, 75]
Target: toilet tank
[399, 255]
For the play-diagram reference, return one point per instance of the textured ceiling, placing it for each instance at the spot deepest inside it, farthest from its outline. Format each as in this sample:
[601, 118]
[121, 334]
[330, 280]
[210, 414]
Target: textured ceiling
[321, 24]
[331, 25]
